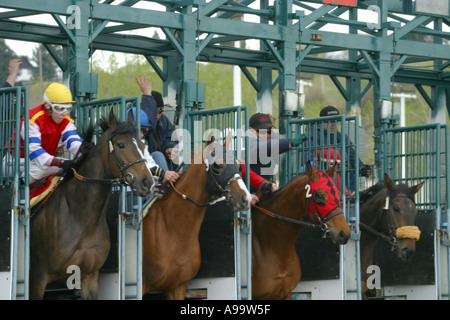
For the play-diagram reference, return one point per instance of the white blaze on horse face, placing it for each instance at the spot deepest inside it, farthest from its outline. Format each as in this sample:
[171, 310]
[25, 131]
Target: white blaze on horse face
[243, 187]
[141, 153]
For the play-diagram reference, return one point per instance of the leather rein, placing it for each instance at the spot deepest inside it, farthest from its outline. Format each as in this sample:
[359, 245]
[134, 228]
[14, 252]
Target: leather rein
[321, 221]
[225, 193]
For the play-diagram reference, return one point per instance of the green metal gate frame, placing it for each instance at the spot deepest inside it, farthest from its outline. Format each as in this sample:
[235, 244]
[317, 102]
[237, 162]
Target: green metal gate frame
[14, 105]
[224, 121]
[425, 157]
[295, 160]
[88, 113]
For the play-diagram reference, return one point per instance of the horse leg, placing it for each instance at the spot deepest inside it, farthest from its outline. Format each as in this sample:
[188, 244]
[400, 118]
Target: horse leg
[89, 286]
[179, 293]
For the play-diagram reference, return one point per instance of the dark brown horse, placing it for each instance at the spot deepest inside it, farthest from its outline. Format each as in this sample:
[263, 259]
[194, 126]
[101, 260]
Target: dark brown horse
[171, 250]
[71, 229]
[276, 266]
[388, 212]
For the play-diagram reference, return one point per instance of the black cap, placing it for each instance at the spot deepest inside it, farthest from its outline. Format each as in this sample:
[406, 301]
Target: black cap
[329, 111]
[159, 100]
[260, 121]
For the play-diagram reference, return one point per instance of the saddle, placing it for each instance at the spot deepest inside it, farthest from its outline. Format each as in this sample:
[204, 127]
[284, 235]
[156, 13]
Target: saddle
[158, 194]
[41, 188]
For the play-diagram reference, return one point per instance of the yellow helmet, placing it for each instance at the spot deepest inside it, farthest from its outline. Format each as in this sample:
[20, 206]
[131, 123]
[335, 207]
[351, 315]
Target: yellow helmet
[57, 93]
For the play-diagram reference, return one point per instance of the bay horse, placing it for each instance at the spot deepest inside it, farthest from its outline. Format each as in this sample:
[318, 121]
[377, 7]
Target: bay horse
[388, 212]
[71, 228]
[276, 265]
[171, 249]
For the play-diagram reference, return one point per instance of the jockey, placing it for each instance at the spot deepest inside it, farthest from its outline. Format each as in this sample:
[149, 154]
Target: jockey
[50, 123]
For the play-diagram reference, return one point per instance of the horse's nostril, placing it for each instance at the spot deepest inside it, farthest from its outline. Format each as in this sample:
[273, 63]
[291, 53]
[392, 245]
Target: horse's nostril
[343, 237]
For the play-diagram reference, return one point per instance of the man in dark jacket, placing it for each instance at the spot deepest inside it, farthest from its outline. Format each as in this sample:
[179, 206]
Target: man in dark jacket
[159, 135]
[266, 146]
[321, 138]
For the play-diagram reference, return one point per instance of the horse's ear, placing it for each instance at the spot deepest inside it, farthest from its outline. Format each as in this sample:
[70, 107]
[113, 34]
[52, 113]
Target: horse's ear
[112, 119]
[228, 140]
[210, 139]
[416, 188]
[130, 116]
[388, 182]
[310, 172]
[331, 172]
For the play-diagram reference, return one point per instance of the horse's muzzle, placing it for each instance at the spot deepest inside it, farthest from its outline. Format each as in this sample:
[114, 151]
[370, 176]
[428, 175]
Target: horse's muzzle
[143, 187]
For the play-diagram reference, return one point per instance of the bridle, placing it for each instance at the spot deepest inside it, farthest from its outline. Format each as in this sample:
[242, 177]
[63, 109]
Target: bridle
[125, 178]
[392, 238]
[225, 194]
[319, 223]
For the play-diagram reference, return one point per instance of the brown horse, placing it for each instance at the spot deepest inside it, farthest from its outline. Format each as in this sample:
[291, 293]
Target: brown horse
[388, 211]
[71, 229]
[276, 266]
[171, 250]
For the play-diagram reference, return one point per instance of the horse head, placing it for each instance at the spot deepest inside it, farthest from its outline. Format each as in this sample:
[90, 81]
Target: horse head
[399, 217]
[324, 205]
[223, 179]
[125, 158]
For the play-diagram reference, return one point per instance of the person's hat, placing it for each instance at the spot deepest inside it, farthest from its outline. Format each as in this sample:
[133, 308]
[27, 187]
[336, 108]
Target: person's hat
[57, 93]
[159, 100]
[144, 118]
[329, 111]
[260, 121]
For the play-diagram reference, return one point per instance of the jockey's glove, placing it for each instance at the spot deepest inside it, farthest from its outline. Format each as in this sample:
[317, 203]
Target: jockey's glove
[365, 170]
[65, 164]
[298, 140]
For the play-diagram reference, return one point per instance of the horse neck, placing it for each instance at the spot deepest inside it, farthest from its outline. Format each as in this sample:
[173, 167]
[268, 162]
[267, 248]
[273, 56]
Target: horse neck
[193, 183]
[288, 202]
[371, 215]
[94, 166]
[372, 210]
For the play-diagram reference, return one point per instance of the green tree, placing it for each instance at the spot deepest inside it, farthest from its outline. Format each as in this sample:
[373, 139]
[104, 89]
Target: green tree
[6, 54]
[46, 67]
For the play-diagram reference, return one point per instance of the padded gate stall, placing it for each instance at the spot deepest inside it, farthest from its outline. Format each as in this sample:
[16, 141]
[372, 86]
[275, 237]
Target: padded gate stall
[225, 236]
[328, 271]
[120, 276]
[413, 155]
[14, 196]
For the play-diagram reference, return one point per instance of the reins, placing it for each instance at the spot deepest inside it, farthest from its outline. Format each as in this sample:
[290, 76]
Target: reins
[225, 193]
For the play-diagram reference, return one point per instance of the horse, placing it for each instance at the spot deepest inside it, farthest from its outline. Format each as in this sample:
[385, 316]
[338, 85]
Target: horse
[171, 249]
[388, 211]
[71, 228]
[276, 265]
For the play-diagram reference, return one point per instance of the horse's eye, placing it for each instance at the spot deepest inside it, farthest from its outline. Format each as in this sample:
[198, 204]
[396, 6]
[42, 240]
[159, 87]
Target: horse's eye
[396, 208]
[121, 145]
[218, 168]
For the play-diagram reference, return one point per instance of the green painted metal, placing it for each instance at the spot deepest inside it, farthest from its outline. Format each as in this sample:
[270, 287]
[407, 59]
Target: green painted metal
[222, 123]
[295, 160]
[14, 105]
[421, 154]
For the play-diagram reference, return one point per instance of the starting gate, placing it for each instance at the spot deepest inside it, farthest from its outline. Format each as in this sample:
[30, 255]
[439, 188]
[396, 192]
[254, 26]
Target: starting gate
[14, 196]
[120, 276]
[225, 236]
[412, 155]
[334, 273]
